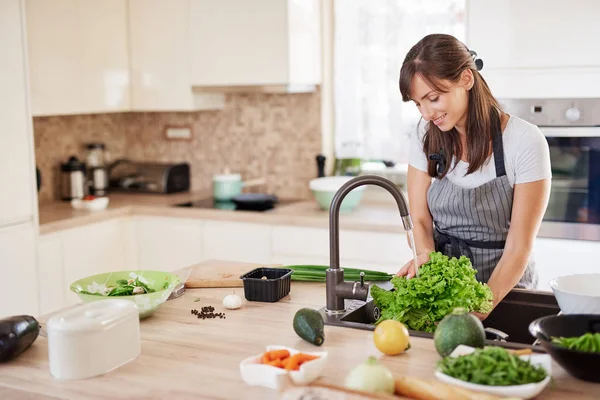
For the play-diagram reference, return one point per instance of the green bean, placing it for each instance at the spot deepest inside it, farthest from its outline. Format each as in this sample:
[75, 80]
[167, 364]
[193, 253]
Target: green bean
[493, 366]
[590, 342]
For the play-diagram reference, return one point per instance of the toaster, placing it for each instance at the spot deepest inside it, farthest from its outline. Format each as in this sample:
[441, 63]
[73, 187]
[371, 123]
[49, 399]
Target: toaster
[145, 177]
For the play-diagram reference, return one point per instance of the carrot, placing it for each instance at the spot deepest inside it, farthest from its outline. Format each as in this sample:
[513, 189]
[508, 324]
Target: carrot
[297, 360]
[292, 364]
[276, 363]
[277, 354]
[265, 358]
[308, 357]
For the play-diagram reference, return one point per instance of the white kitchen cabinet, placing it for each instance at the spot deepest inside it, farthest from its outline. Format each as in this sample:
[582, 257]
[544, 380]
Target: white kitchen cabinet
[17, 162]
[358, 249]
[236, 241]
[78, 56]
[160, 58]
[93, 249]
[534, 33]
[255, 43]
[19, 293]
[556, 257]
[537, 48]
[53, 287]
[168, 244]
[68, 255]
[544, 83]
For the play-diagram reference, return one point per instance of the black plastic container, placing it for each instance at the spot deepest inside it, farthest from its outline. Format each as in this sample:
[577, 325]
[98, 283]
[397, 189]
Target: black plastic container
[580, 364]
[267, 284]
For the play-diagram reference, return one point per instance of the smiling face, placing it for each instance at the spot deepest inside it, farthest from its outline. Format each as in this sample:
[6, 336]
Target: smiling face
[446, 109]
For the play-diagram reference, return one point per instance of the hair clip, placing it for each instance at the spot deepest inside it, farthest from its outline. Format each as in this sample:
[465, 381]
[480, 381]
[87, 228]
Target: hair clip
[478, 61]
[440, 160]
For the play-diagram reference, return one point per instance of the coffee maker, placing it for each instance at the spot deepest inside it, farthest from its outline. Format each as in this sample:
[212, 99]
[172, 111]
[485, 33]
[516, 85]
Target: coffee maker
[72, 179]
[97, 174]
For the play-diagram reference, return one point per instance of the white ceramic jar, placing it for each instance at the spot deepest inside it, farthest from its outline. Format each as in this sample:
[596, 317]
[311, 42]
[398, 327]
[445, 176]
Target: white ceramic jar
[93, 339]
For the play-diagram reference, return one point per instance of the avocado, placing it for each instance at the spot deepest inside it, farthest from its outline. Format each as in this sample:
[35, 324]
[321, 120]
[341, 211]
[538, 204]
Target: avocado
[458, 327]
[17, 333]
[308, 324]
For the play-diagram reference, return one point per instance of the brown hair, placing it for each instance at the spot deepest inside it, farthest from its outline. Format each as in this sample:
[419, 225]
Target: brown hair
[437, 57]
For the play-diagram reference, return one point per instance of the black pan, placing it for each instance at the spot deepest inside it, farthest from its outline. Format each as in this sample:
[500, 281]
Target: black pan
[579, 364]
[255, 201]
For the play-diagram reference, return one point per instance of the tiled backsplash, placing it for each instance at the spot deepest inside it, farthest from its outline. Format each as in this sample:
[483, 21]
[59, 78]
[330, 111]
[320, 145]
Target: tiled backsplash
[274, 136]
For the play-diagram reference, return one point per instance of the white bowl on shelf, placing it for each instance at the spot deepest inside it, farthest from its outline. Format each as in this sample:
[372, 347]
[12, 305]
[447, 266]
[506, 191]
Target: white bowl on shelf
[578, 293]
[97, 204]
[255, 373]
[527, 391]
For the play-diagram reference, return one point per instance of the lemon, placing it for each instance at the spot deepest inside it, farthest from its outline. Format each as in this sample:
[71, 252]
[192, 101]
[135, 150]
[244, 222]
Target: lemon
[391, 337]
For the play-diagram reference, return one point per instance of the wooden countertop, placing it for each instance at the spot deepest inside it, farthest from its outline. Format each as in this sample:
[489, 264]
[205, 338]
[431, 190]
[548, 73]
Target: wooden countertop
[184, 357]
[377, 212]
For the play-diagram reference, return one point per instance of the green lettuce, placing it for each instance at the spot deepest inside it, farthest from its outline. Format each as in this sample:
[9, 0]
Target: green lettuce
[442, 284]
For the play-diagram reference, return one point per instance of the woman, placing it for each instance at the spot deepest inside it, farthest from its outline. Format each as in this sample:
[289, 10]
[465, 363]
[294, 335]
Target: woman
[478, 178]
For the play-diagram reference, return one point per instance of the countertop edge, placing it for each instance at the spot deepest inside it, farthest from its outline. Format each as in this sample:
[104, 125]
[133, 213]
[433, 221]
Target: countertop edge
[267, 218]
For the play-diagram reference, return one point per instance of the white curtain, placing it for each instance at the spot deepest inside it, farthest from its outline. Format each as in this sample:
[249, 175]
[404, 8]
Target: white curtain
[371, 40]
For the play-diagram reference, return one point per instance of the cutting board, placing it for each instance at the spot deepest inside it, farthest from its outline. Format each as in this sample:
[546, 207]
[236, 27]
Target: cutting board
[218, 274]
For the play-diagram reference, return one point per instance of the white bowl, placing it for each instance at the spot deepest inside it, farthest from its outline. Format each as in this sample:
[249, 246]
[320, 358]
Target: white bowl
[527, 391]
[577, 294]
[324, 190]
[255, 373]
[99, 203]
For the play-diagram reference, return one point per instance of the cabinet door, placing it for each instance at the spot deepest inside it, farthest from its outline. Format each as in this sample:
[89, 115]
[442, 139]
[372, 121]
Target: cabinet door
[16, 148]
[304, 42]
[19, 294]
[78, 56]
[93, 249]
[104, 55]
[534, 33]
[218, 29]
[52, 281]
[168, 244]
[236, 241]
[160, 55]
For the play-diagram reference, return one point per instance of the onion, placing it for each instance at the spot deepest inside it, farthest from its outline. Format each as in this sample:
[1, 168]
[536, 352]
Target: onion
[371, 376]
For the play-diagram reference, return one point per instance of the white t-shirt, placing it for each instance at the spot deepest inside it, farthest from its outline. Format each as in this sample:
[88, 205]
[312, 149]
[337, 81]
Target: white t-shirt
[526, 156]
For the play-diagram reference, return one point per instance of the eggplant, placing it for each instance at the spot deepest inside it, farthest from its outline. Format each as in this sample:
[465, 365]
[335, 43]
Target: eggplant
[17, 334]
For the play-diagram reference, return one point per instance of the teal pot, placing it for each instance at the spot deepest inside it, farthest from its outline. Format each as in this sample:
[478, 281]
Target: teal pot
[227, 186]
[324, 189]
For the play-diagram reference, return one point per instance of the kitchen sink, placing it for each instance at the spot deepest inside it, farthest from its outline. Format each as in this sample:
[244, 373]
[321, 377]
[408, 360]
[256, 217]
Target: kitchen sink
[506, 326]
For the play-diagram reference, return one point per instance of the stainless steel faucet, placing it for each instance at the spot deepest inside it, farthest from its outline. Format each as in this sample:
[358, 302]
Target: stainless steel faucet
[336, 287]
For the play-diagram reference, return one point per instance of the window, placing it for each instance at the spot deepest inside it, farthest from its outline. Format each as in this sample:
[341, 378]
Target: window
[371, 39]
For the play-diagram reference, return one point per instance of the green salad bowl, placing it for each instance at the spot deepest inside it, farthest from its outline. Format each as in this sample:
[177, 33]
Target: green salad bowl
[117, 285]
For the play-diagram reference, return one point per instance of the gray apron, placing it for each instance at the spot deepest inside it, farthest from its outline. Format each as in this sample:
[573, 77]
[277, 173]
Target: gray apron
[474, 222]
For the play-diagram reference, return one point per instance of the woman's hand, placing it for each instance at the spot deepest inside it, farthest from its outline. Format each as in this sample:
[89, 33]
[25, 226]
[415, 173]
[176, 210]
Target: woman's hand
[481, 316]
[409, 269]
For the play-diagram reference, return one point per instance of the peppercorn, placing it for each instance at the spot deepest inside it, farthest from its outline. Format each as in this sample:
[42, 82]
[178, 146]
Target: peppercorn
[207, 313]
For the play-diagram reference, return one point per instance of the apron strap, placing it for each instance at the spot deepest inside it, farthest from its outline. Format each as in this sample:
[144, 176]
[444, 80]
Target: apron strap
[498, 147]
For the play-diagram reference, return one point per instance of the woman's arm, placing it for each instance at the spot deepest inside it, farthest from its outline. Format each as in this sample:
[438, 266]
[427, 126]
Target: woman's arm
[529, 205]
[418, 182]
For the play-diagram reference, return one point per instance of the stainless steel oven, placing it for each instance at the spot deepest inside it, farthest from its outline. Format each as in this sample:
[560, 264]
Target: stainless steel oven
[572, 129]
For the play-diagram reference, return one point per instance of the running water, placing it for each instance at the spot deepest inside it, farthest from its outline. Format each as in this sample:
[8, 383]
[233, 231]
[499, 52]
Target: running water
[411, 240]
